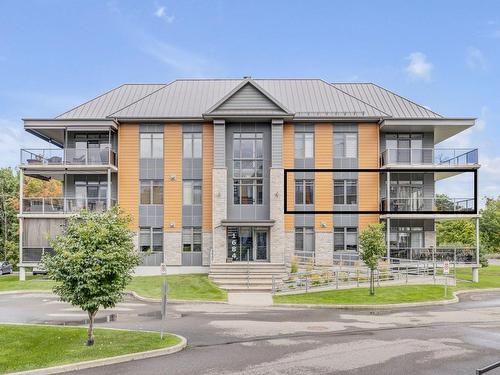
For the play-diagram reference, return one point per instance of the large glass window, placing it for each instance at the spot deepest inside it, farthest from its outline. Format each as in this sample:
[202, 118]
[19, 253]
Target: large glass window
[304, 240]
[345, 145]
[304, 191]
[191, 239]
[345, 191]
[191, 192]
[151, 192]
[151, 145]
[248, 168]
[345, 238]
[191, 145]
[304, 145]
[150, 239]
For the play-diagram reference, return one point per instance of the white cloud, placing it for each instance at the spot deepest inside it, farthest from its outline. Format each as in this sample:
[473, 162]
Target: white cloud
[180, 60]
[475, 59]
[161, 12]
[419, 68]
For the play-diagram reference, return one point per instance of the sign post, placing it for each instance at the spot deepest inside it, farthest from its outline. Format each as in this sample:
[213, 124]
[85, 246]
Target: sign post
[446, 271]
[163, 270]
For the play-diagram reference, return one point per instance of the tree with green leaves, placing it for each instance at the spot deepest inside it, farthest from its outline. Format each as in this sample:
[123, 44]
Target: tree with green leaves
[93, 262]
[372, 248]
[9, 196]
[456, 232]
[490, 225]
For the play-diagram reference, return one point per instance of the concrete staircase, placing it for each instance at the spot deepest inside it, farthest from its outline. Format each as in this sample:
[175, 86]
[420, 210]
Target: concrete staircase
[240, 277]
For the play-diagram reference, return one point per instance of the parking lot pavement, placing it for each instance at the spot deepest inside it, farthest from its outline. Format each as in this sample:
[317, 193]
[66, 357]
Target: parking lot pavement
[225, 339]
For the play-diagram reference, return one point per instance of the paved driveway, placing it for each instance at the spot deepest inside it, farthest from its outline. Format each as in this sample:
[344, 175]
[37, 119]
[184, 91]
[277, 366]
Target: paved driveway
[223, 339]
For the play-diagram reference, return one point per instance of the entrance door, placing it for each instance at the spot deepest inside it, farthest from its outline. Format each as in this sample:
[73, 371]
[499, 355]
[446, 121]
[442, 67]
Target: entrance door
[261, 244]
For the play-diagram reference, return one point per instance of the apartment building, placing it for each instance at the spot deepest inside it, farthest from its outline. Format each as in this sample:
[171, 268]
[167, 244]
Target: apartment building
[200, 167]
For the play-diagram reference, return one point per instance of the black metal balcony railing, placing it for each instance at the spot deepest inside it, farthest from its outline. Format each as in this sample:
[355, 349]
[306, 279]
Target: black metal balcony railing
[63, 205]
[35, 254]
[68, 156]
[429, 156]
[428, 204]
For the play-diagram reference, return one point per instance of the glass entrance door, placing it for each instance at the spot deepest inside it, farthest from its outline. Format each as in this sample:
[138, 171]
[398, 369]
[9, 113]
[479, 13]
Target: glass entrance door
[261, 245]
[247, 244]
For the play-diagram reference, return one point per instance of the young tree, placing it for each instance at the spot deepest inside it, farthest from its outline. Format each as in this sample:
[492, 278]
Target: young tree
[93, 262]
[372, 247]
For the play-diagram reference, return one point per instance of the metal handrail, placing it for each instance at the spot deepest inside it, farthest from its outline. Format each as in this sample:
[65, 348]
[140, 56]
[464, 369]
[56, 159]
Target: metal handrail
[432, 156]
[488, 368]
[63, 204]
[68, 156]
[429, 204]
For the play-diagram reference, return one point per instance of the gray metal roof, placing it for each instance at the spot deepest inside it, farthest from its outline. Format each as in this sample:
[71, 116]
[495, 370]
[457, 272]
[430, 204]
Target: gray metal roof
[111, 101]
[304, 98]
[387, 101]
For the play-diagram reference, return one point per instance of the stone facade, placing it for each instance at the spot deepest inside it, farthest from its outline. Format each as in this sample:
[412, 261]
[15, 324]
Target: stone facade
[207, 245]
[277, 240]
[172, 248]
[219, 213]
[289, 247]
[324, 248]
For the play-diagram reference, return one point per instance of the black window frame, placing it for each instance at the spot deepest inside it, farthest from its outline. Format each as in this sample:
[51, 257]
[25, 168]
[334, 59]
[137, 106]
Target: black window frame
[151, 184]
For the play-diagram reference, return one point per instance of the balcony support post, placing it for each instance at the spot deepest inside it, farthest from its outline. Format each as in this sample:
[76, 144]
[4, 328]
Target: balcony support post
[388, 239]
[388, 192]
[22, 270]
[108, 191]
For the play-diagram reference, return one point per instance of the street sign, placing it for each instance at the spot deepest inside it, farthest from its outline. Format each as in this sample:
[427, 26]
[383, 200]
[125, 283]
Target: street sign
[446, 267]
[163, 269]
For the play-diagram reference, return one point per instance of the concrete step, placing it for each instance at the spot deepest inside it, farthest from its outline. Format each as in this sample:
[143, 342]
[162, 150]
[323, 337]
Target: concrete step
[244, 275]
[243, 288]
[244, 282]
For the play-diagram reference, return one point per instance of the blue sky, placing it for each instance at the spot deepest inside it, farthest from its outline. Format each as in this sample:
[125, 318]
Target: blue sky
[55, 54]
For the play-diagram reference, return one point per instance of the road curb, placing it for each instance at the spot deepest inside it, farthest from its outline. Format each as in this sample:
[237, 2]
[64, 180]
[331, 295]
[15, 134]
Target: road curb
[179, 301]
[389, 306]
[108, 361]
[129, 292]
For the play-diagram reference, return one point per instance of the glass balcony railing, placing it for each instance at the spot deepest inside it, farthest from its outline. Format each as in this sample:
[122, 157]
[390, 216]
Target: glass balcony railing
[63, 205]
[437, 205]
[429, 156]
[68, 156]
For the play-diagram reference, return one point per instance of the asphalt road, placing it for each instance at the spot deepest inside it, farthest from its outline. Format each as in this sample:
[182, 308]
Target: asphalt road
[223, 339]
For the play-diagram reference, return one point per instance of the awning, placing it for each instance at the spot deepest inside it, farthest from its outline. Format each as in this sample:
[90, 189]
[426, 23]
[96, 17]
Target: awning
[247, 223]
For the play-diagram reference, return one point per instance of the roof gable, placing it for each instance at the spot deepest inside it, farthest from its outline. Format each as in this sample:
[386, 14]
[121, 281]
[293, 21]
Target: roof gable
[248, 99]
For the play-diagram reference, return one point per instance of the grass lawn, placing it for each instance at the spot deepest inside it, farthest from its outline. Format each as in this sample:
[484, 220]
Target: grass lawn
[30, 346]
[383, 295]
[489, 277]
[11, 282]
[184, 287]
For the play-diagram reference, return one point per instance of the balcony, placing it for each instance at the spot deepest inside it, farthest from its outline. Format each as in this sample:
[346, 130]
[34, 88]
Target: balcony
[35, 254]
[443, 157]
[63, 205]
[432, 205]
[68, 157]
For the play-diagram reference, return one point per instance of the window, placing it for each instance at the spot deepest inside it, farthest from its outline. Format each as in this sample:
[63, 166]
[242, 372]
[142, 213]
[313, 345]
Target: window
[151, 192]
[345, 191]
[151, 145]
[304, 239]
[345, 145]
[248, 168]
[191, 239]
[151, 239]
[191, 192]
[304, 145]
[345, 239]
[191, 145]
[304, 191]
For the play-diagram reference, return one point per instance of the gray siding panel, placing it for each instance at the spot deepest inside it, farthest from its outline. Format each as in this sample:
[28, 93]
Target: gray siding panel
[151, 215]
[277, 145]
[219, 145]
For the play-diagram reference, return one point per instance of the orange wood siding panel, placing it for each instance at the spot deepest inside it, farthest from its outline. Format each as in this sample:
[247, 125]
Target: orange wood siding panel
[288, 162]
[128, 172]
[368, 182]
[208, 164]
[172, 167]
[323, 182]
